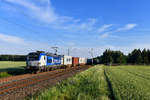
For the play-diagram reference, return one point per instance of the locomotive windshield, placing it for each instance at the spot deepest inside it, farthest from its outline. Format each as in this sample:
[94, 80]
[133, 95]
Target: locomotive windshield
[33, 57]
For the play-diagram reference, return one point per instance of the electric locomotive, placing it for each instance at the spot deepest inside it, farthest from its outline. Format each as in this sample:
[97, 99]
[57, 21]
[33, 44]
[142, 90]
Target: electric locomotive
[42, 61]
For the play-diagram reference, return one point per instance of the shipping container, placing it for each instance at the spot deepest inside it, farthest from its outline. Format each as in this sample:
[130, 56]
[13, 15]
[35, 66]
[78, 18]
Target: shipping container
[75, 61]
[89, 61]
[82, 61]
[66, 60]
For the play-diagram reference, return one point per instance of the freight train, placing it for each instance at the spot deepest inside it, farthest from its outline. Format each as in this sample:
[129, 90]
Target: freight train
[42, 61]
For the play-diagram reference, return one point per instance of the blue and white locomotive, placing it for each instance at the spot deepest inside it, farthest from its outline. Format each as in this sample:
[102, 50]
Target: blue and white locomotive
[41, 61]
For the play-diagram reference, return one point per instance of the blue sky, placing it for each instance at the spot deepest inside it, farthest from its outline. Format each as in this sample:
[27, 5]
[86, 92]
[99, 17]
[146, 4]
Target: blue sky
[29, 25]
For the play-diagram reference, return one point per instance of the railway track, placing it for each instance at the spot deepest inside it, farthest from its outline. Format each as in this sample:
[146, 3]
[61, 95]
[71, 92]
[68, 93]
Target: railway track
[11, 87]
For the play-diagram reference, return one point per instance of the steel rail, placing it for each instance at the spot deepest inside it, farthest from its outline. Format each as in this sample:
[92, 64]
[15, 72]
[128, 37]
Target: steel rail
[34, 80]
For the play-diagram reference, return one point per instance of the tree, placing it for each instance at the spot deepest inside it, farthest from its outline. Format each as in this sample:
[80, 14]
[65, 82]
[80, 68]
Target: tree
[144, 57]
[107, 57]
[118, 57]
[12, 58]
[135, 57]
[148, 56]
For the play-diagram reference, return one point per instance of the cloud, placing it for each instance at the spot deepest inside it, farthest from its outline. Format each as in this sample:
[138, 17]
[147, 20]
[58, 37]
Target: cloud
[11, 39]
[43, 11]
[105, 35]
[87, 25]
[78, 25]
[104, 28]
[127, 27]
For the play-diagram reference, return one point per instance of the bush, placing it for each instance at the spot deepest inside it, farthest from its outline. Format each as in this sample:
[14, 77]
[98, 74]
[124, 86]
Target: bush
[4, 74]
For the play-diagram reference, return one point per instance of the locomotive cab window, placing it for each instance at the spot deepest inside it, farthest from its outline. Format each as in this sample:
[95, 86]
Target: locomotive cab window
[33, 57]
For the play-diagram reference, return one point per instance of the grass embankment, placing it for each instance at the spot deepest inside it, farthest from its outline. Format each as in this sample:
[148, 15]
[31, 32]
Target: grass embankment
[88, 85]
[9, 68]
[129, 82]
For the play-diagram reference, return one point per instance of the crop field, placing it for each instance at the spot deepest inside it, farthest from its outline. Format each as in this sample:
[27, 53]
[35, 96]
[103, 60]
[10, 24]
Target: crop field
[8, 68]
[103, 83]
[11, 64]
[129, 82]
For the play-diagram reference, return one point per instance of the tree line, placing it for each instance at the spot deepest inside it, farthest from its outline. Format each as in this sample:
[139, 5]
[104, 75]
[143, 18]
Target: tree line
[12, 57]
[137, 57]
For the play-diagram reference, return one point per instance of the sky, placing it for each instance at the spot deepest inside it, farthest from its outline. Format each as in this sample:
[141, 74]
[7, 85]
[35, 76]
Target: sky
[30, 25]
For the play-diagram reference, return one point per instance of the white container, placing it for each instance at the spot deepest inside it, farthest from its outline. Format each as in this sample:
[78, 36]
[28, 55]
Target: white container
[67, 60]
[82, 60]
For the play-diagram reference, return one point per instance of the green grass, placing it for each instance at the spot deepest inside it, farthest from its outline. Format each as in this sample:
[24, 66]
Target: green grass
[11, 64]
[4, 74]
[88, 85]
[130, 83]
[9, 68]
[103, 83]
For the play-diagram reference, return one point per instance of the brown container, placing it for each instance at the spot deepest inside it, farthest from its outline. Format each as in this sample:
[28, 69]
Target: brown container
[75, 61]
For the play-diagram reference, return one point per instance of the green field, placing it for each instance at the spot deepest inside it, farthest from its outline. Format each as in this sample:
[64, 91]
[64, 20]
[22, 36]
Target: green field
[103, 83]
[130, 82]
[11, 64]
[8, 68]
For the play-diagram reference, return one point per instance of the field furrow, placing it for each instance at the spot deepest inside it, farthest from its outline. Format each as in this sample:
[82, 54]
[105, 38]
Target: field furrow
[88, 85]
[128, 86]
